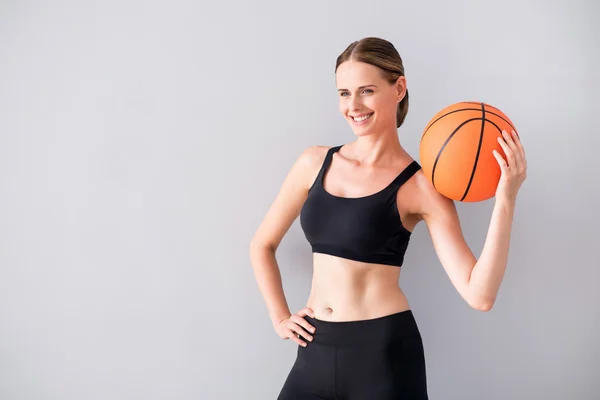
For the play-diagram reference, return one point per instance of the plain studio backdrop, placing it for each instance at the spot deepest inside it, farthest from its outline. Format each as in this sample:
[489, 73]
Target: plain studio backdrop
[142, 142]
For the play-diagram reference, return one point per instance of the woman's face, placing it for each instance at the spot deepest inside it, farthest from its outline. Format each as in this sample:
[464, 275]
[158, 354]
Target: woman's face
[367, 101]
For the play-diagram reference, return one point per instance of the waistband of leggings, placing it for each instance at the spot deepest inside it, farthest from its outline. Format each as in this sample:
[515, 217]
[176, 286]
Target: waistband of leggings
[364, 332]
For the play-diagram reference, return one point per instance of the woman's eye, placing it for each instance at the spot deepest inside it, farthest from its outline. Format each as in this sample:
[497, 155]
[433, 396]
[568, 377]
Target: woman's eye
[343, 94]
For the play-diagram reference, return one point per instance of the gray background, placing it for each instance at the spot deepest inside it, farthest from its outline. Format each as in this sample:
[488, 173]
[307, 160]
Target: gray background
[141, 143]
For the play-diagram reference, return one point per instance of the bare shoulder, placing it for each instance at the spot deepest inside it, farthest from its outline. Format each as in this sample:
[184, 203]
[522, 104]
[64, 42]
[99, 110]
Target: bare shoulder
[422, 201]
[288, 203]
[311, 159]
[315, 153]
[430, 203]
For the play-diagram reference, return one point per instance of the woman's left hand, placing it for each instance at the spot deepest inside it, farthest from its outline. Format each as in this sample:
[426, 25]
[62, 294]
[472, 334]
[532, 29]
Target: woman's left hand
[514, 168]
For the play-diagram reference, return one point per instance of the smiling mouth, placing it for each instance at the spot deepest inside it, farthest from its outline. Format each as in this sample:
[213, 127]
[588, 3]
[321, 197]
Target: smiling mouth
[362, 118]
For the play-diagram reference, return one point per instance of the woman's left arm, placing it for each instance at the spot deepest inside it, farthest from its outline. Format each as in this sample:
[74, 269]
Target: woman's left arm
[478, 280]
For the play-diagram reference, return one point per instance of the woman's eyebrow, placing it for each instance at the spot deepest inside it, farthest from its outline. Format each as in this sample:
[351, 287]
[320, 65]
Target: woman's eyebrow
[362, 87]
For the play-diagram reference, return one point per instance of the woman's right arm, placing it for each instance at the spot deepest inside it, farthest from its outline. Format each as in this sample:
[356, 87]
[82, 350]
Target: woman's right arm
[277, 221]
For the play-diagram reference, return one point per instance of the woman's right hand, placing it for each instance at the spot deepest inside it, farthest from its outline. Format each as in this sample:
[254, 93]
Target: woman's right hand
[295, 326]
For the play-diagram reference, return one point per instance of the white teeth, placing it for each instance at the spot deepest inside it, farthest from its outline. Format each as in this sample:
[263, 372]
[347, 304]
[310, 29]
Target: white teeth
[364, 117]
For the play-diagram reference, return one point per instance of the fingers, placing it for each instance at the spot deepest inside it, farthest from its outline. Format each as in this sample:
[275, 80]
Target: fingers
[306, 311]
[515, 144]
[501, 161]
[297, 339]
[301, 326]
[303, 323]
[297, 328]
[297, 333]
[510, 149]
[517, 141]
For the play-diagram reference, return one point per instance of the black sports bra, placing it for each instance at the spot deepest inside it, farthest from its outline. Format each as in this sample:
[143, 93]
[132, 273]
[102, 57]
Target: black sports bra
[366, 229]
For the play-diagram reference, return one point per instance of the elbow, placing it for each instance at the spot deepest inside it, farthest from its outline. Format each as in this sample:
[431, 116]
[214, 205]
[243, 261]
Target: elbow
[484, 305]
[256, 245]
[253, 243]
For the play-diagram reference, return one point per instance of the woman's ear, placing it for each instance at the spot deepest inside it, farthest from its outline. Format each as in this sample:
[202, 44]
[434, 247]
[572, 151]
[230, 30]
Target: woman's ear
[400, 88]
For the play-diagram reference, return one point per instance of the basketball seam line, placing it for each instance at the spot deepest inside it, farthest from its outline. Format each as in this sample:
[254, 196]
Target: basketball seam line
[464, 109]
[478, 153]
[439, 154]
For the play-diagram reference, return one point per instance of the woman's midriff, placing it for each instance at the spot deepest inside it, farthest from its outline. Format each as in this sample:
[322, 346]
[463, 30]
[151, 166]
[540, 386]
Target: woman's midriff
[347, 290]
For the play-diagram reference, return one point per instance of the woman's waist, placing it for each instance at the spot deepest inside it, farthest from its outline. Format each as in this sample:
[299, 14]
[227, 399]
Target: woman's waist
[335, 303]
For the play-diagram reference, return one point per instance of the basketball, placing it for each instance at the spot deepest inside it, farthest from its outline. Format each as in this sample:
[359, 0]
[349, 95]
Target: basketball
[456, 150]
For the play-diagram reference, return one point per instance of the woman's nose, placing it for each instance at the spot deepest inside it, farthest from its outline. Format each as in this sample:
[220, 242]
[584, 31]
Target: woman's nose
[355, 104]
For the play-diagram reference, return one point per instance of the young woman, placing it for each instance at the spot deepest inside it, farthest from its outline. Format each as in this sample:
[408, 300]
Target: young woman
[358, 205]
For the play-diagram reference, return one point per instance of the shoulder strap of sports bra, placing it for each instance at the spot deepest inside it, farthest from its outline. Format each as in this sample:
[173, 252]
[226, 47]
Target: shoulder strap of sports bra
[406, 174]
[329, 157]
[324, 166]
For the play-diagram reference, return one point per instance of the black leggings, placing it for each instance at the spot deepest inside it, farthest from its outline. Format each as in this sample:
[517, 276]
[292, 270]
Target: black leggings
[374, 359]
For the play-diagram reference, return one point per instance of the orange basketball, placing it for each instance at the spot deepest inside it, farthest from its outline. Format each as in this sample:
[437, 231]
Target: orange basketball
[456, 150]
